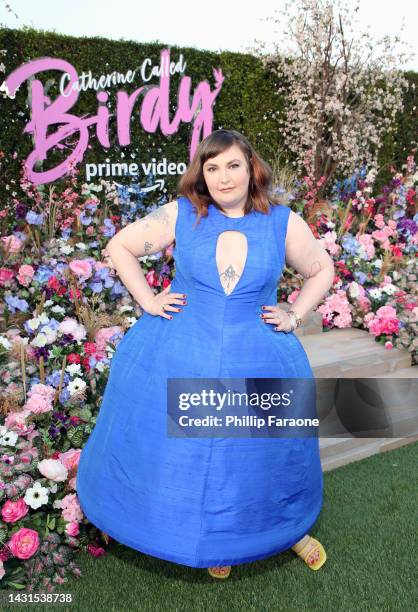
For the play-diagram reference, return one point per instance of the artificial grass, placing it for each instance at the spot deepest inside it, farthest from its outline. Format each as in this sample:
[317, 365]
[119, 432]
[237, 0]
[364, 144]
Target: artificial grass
[368, 526]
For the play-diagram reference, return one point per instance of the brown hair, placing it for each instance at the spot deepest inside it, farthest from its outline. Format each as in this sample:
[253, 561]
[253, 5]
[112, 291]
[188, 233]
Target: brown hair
[193, 185]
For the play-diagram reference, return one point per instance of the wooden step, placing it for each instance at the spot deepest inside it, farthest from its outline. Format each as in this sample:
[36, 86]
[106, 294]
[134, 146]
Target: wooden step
[351, 353]
[360, 449]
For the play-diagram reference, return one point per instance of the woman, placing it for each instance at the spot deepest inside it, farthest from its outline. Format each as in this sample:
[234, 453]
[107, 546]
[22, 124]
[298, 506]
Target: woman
[219, 501]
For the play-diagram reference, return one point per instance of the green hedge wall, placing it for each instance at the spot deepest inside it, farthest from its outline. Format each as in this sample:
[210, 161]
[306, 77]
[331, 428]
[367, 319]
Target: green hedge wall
[247, 94]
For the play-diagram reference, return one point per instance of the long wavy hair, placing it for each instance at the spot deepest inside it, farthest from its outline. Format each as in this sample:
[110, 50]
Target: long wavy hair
[193, 185]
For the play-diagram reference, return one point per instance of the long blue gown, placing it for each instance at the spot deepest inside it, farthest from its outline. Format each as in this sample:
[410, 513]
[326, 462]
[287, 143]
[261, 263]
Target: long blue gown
[203, 502]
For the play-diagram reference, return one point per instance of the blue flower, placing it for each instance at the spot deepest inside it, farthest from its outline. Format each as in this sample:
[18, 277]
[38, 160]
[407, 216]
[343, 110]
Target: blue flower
[110, 228]
[360, 277]
[350, 244]
[96, 287]
[16, 304]
[33, 218]
[85, 219]
[43, 274]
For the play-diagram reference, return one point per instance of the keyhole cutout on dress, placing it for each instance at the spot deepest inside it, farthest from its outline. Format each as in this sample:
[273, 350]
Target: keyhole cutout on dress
[231, 257]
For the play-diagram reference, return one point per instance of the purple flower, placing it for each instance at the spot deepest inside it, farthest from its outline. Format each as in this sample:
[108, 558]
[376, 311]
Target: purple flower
[15, 304]
[34, 219]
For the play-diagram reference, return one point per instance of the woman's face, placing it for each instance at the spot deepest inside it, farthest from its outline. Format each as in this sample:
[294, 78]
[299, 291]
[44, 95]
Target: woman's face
[227, 178]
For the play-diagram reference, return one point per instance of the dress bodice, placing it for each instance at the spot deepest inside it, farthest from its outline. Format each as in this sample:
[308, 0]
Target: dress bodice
[195, 253]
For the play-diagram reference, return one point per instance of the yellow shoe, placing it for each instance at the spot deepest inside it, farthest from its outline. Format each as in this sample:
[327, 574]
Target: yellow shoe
[311, 546]
[224, 572]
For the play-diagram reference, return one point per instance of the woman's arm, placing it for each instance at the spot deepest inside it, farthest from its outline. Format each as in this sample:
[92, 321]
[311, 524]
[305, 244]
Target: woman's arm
[309, 258]
[147, 236]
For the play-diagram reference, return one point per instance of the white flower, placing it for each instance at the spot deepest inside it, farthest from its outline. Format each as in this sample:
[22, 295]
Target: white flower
[73, 368]
[53, 469]
[377, 263]
[375, 293]
[4, 342]
[58, 309]
[354, 290]
[9, 438]
[36, 496]
[40, 340]
[390, 289]
[66, 249]
[76, 385]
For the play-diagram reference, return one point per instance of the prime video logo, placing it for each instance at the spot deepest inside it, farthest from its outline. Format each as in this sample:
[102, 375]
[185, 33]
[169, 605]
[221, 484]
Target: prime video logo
[122, 168]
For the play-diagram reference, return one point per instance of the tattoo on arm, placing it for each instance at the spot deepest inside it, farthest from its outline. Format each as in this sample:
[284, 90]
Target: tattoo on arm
[315, 268]
[160, 214]
[147, 247]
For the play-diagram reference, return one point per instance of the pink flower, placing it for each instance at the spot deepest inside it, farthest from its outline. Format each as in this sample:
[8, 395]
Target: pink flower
[72, 529]
[102, 337]
[328, 242]
[53, 470]
[384, 322]
[12, 511]
[45, 391]
[70, 458]
[2, 570]
[38, 404]
[379, 221]
[24, 543]
[152, 278]
[17, 422]
[388, 345]
[25, 275]
[6, 275]
[81, 267]
[71, 510]
[337, 309]
[292, 297]
[13, 243]
[72, 327]
[367, 245]
[96, 551]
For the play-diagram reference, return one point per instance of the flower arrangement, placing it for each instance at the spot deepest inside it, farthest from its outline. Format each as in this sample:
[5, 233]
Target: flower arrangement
[373, 242]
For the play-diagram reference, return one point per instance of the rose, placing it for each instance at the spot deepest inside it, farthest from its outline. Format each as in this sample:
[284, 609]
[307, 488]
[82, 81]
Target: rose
[25, 274]
[12, 511]
[81, 267]
[53, 470]
[70, 458]
[72, 529]
[24, 543]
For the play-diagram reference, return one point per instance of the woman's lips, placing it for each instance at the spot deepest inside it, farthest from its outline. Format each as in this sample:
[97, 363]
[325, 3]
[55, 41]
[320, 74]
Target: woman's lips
[229, 189]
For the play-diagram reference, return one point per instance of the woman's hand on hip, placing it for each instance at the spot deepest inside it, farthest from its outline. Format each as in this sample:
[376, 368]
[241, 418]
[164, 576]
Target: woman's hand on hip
[277, 317]
[161, 303]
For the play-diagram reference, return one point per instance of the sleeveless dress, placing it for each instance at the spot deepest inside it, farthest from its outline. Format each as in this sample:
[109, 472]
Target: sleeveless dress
[203, 502]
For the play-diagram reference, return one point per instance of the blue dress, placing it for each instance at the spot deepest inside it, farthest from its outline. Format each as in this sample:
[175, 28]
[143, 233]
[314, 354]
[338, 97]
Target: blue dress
[203, 502]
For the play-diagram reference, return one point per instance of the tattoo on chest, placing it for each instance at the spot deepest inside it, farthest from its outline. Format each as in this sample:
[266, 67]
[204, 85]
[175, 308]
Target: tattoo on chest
[229, 278]
[147, 247]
